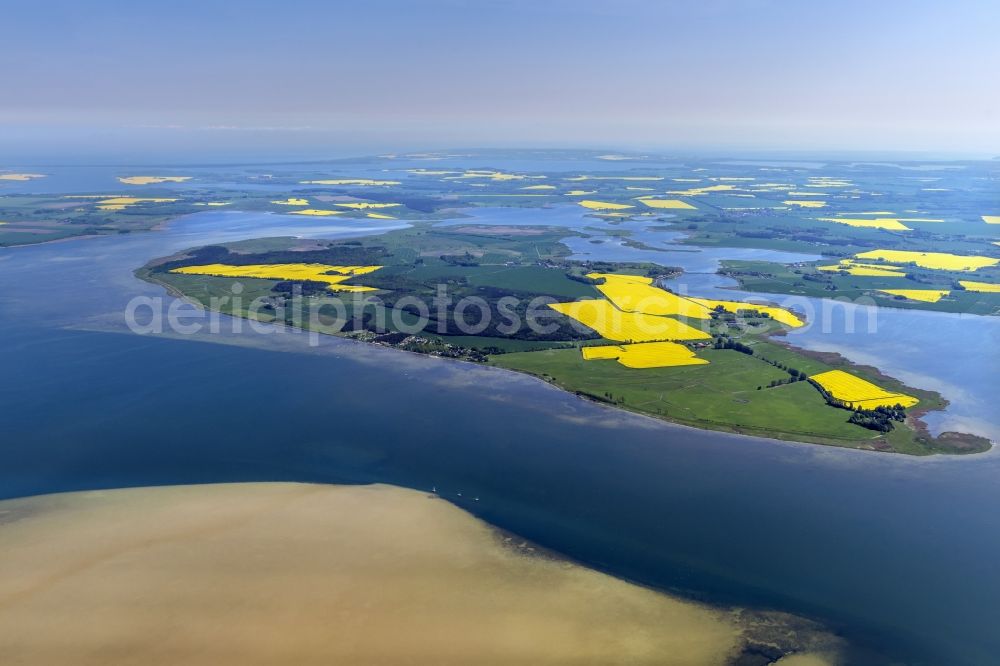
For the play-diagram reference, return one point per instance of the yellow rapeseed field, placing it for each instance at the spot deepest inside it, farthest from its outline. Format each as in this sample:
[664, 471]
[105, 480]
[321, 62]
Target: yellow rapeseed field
[863, 272]
[613, 324]
[982, 287]
[881, 267]
[492, 175]
[666, 203]
[211, 203]
[21, 176]
[889, 223]
[806, 204]
[292, 201]
[633, 293]
[363, 205]
[925, 295]
[152, 180]
[933, 260]
[827, 181]
[621, 277]
[603, 205]
[121, 203]
[128, 201]
[626, 178]
[539, 187]
[698, 191]
[856, 392]
[645, 355]
[780, 315]
[333, 276]
[350, 181]
[380, 216]
[604, 352]
[317, 212]
[866, 270]
[479, 174]
[580, 193]
[991, 219]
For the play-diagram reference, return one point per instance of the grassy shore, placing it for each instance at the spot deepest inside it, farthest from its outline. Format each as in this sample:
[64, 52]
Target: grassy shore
[732, 394]
[762, 393]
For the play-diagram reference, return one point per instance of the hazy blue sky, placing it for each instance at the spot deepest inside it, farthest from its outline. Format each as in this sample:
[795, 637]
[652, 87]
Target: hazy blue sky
[290, 75]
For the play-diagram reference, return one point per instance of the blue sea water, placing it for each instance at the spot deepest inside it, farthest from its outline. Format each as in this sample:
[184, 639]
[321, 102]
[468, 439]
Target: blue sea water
[897, 553]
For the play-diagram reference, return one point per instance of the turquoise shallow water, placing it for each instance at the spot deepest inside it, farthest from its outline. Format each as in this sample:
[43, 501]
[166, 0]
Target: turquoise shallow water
[896, 553]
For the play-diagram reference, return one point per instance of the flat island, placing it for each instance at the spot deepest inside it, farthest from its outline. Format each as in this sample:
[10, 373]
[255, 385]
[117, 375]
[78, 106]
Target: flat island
[586, 255]
[607, 331]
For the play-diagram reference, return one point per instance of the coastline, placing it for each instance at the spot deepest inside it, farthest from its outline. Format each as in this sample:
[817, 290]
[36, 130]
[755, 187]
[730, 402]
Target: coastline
[913, 419]
[748, 431]
[974, 443]
[836, 358]
[663, 430]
